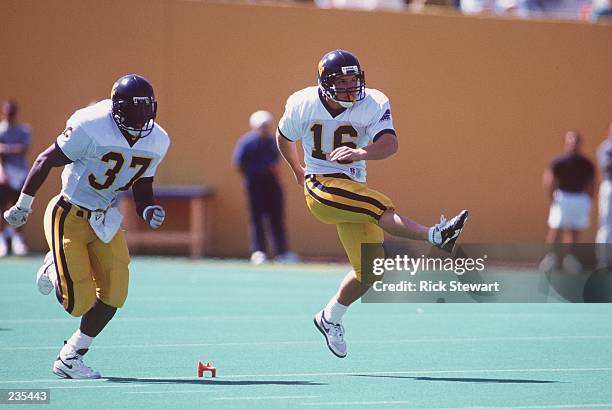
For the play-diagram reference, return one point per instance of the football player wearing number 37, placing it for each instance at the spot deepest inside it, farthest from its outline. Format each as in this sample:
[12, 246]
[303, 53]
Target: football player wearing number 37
[106, 148]
[342, 124]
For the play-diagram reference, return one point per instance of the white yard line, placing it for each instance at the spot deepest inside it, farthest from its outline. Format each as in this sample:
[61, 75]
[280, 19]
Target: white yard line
[382, 402]
[411, 315]
[313, 342]
[266, 398]
[170, 392]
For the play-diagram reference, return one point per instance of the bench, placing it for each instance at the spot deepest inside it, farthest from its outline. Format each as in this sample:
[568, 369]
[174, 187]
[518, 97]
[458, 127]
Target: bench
[197, 235]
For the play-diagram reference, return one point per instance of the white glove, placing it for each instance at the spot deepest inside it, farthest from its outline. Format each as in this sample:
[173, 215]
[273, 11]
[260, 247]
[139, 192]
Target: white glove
[17, 215]
[154, 215]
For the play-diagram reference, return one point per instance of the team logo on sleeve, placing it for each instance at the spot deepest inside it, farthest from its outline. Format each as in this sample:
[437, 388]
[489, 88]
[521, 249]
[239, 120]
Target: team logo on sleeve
[386, 116]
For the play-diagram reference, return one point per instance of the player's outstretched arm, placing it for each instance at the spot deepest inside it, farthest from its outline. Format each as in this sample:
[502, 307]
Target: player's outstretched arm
[384, 146]
[153, 214]
[52, 157]
[289, 152]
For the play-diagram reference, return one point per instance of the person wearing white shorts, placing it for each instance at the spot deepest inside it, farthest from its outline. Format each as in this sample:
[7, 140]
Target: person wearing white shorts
[569, 182]
[569, 211]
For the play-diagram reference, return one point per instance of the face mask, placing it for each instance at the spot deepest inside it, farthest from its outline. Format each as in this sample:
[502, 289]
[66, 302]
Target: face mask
[135, 134]
[345, 104]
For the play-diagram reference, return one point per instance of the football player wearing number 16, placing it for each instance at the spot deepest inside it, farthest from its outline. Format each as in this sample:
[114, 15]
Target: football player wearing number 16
[106, 148]
[341, 124]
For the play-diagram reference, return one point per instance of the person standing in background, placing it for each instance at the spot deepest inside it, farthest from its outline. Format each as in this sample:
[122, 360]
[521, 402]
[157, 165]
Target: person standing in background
[15, 139]
[604, 232]
[569, 182]
[256, 156]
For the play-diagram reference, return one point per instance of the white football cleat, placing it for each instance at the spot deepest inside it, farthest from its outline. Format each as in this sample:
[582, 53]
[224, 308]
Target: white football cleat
[71, 366]
[445, 233]
[18, 245]
[334, 334]
[43, 276]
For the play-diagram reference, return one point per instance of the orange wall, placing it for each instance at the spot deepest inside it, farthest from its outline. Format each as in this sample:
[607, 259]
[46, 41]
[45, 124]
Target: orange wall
[480, 104]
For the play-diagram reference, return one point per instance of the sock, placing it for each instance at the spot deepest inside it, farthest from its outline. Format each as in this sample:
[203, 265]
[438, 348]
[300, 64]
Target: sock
[433, 239]
[77, 341]
[53, 275]
[334, 311]
[96, 318]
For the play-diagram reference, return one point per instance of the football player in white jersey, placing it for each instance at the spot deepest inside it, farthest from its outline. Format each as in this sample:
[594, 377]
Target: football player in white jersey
[604, 231]
[106, 148]
[341, 125]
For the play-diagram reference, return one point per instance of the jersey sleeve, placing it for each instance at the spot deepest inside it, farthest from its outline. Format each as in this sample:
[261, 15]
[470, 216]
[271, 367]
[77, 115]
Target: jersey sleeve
[382, 122]
[288, 124]
[74, 142]
[150, 172]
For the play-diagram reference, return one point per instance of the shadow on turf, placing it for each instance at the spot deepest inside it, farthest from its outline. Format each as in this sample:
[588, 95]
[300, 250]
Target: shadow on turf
[4, 329]
[213, 381]
[461, 379]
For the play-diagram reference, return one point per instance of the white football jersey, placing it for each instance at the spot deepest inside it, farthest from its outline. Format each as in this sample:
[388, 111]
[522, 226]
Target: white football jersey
[307, 119]
[104, 164]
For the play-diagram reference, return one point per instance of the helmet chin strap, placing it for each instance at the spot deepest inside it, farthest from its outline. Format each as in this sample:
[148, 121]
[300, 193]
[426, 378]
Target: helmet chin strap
[345, 104]
[135, 134]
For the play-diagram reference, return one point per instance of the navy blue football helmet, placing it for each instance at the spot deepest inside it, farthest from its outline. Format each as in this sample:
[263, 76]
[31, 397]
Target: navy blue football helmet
[339, 63]
[134, 105]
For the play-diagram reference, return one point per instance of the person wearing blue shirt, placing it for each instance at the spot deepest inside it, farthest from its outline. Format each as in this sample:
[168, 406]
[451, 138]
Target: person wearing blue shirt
[15, 139]
[256, 157]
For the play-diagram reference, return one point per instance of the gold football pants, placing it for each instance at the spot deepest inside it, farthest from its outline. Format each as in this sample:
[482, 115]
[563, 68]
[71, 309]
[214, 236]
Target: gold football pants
[87, 267]
[353, 207]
